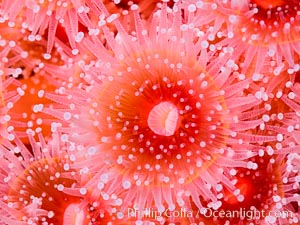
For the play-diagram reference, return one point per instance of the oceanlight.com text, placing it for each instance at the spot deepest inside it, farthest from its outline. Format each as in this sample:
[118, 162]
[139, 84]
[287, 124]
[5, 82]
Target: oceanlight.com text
[242, 213]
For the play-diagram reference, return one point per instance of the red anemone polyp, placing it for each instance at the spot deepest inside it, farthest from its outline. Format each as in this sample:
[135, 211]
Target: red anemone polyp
[161, 112]
[34, 184]
[40, 185]
[266, 196]
[24, 114]
[258, 186]
[157, 118]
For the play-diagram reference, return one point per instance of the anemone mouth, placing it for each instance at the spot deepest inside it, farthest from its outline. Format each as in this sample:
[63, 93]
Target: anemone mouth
[74, 215]
[163, 119]
[94, 209]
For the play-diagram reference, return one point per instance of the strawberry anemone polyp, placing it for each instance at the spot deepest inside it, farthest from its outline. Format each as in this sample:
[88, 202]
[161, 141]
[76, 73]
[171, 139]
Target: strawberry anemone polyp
[34, 181]
[165, 113]
[40, 188]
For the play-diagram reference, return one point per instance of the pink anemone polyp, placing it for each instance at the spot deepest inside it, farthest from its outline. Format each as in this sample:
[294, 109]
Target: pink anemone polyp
[34, 181]
[40, 188]
[158, 119]
[161, 110]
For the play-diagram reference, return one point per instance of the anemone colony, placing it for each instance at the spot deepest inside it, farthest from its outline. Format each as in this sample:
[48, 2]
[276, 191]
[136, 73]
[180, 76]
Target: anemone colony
[149, 112]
